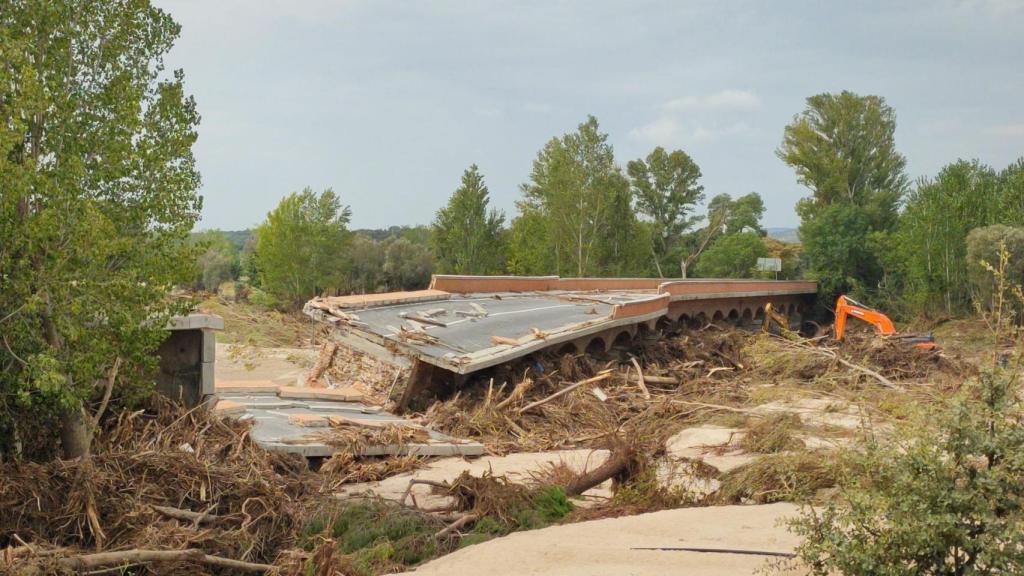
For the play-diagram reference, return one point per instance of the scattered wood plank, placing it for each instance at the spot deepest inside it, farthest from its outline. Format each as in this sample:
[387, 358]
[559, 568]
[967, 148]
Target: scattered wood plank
[499, 340]
[602, 376]
[423, 319]
[323, 362]
[640, 378]
[660, 379]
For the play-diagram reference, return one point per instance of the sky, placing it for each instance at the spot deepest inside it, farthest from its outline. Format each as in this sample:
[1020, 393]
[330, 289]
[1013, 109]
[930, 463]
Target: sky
[387, 102]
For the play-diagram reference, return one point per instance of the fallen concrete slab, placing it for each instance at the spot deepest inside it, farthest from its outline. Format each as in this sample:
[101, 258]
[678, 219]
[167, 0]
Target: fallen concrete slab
[609, 547]
[291, 425]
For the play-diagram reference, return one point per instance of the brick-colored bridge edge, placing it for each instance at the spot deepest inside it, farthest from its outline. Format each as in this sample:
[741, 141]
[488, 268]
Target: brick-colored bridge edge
[673, 286]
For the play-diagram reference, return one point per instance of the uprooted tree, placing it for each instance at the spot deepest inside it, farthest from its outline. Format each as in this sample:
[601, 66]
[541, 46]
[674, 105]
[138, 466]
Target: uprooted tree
[99, 193]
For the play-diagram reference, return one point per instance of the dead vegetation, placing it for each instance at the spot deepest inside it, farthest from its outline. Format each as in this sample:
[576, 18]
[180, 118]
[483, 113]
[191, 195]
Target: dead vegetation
[197, 489]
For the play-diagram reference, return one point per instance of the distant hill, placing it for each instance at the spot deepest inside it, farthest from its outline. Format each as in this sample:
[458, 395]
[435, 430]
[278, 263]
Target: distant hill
[784, 234]
[238, 237]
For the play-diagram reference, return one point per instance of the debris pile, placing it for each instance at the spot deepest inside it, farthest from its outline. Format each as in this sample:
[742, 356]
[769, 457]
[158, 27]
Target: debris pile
[193, 493]
[183, 483]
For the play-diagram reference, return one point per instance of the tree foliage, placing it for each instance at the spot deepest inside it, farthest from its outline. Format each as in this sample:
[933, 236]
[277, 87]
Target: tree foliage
[732, 256]
[466, 237]
[666, 190]
[407, 266]
[98, 195]
[301, 247]
[936, 500]
[577, 210]
[986, 247]
[218, 261]
[842, 148]
[926, 257]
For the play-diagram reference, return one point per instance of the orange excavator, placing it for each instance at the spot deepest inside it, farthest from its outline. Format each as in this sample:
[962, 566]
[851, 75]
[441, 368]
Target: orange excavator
[848, 307]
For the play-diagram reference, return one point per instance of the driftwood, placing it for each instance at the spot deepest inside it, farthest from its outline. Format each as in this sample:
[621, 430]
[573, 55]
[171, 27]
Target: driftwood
[640, 379]
[323, 362]
[100, 560]
[425, 320]
[602, 376]
[188, 515]
[660, 379]
[518, 393]
[459, 523]
[617, 463]
[499, 340]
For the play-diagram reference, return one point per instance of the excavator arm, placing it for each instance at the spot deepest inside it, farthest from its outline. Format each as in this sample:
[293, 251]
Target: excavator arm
[846, 307]
[849, 307]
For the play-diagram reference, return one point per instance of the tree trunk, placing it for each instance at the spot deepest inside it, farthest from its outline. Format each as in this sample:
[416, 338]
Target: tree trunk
[75, 433]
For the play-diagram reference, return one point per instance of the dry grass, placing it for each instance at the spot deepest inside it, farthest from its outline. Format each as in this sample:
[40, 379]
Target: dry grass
[774, 433]
[786, 476]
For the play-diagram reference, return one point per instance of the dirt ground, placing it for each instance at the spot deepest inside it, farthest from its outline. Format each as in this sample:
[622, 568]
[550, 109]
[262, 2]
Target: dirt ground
[605, 547]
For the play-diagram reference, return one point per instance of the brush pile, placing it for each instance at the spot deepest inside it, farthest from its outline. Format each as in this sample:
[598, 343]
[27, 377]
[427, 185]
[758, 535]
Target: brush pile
[536, 412]
[181, 482]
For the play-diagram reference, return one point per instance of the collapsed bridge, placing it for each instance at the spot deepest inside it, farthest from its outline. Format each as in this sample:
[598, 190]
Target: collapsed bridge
[464, 324]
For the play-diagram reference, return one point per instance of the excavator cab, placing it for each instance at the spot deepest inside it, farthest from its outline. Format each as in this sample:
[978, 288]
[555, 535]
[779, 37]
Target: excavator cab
[846, 307]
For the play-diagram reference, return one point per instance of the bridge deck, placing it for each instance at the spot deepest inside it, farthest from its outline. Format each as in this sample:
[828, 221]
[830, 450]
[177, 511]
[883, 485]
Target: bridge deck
[464, 323]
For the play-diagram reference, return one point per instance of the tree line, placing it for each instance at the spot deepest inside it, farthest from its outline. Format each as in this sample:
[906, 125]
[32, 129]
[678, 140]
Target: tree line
[580, 214]
[865, 228]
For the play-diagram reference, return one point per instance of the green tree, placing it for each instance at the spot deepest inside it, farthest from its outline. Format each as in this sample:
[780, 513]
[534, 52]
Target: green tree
[945, 499]
[985, 247]
[842, 147]
[742, 214]
[666, 189]
[580, 200]
[732, 256]
[365, 265]
[98, 195]
[218, 260]
[301, 247]
[528, 252]
[725, 216]
[466, 237]
[407, 265]
[928, 250]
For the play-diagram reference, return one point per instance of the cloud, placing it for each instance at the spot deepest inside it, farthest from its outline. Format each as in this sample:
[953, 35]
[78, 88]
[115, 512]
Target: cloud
[666, 130]
[726, 100]
[1007, 130]
[995, 8]
[698, 119]
[705, 134]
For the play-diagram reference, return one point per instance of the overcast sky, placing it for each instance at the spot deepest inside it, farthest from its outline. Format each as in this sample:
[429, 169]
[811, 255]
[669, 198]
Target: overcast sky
[388, 102]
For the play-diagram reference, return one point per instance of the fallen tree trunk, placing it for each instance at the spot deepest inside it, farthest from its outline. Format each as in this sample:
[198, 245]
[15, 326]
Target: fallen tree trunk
[100, 560]
[617, 463]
